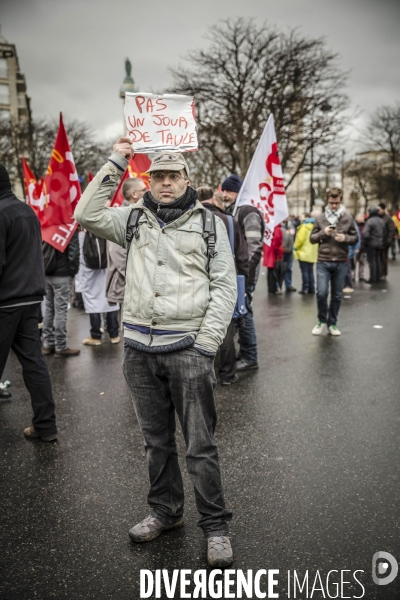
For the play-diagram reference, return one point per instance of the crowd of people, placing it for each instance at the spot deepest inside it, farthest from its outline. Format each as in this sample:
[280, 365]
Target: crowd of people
[164, 272]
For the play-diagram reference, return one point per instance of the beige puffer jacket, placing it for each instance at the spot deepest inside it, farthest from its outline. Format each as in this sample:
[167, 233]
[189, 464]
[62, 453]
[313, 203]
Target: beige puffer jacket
[170, 283]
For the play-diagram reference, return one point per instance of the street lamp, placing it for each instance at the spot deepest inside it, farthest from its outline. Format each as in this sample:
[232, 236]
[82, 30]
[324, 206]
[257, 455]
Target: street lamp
[324, 107]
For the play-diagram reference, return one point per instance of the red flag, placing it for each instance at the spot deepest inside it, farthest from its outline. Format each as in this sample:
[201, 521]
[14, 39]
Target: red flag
[90, 177]
[33, 189]
[137, 167]
[62, 192]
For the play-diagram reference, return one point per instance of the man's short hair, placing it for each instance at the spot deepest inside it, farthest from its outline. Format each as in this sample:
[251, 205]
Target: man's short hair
[131, 184]
[204, 193]
[334, 192]
[382, 205]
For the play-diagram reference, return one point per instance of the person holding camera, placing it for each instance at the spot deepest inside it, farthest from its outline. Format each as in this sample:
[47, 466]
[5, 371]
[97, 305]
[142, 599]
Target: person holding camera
[334, 231]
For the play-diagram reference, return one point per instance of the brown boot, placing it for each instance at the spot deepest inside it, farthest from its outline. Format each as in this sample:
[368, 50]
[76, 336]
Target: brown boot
[48, 350]
[89, 341]
[67, 352]
[30, 432]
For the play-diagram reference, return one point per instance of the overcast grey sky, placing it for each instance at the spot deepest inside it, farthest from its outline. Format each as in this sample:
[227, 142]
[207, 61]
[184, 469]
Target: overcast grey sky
[72, 53]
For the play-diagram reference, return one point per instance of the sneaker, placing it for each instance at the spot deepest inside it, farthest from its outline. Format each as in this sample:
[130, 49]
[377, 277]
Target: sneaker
[333, 330]
[234, 379]
[150, 528]
[302, 292]
[291, 289]
[244, 365]
[348, 290]
[66, 352]
[34, 435]
[48, 350]
[318, 328]
[219, 551]
[89, 341]
[115, 340]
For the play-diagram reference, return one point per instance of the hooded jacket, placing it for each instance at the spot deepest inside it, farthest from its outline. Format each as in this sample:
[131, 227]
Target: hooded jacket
[329, 249]
[22, 279]
[374, 230]
[304, 249]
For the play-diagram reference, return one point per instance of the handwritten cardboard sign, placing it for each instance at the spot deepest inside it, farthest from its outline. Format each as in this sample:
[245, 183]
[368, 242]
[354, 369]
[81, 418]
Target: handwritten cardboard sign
[160, 123]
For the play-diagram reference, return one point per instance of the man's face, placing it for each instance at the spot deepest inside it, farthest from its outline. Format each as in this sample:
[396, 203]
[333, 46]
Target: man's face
[137, 194]
[334, 202]
[229, 197]
[167, 186]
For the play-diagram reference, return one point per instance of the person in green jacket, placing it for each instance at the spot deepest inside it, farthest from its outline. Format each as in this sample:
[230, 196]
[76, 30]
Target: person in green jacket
[307, 254]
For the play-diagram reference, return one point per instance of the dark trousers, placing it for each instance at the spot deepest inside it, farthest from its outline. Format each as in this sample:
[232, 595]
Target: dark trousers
[307, 277]
[181, 383]
[112, 324]
[348, 280]
[19, 332]
[384, 255]
[374, 261]
[271, 281]
[288, 259]
[332, 273]
[247, 333]
[227, 369]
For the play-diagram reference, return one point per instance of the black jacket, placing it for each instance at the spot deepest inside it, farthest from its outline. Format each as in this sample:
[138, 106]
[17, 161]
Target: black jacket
[388, 230]
[374, 230]
[21, 260]
[67, 261]
[240, 246]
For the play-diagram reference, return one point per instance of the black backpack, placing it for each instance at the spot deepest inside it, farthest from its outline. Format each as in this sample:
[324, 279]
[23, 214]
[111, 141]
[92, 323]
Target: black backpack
[209, 233]
[94, 251]
[49, 257]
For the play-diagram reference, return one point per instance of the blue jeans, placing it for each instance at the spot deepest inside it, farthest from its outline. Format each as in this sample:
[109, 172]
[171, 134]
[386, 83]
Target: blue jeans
[307, 277]
[247, 333]
[288, 259]
[163, 386]
[335, 273]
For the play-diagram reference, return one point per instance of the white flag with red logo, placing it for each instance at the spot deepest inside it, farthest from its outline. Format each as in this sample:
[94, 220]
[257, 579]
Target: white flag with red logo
[263, 186]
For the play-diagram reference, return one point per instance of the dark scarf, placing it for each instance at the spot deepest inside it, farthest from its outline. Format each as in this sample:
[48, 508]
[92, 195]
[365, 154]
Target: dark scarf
[170, 212]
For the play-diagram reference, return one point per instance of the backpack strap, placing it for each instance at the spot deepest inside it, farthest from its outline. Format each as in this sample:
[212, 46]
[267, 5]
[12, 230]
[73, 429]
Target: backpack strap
[209, 232]
[132, 228]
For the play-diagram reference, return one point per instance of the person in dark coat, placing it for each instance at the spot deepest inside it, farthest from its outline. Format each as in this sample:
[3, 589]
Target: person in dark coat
[373, 234]
[228, 363]
[22, 287]
[388, 236]
[58, 291]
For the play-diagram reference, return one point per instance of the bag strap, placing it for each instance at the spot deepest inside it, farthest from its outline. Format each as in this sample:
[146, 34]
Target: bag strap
[132, 228]
[231, 234]
[209, 233]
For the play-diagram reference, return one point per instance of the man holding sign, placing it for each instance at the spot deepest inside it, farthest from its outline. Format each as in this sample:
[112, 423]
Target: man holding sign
[179, 299]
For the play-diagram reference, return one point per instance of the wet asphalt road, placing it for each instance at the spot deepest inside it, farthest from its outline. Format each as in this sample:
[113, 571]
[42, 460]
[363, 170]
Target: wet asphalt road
[309, 449]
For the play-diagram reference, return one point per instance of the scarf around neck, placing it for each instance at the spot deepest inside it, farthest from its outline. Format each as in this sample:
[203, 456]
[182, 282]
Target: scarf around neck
[170, 212]
[333, 217]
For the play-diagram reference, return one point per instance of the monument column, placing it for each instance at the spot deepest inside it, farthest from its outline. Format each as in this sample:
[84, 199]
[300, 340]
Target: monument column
[128, 85]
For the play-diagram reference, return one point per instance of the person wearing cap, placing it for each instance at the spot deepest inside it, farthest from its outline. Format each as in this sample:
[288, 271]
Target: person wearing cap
[178, 304]
[334, 231]
[22, 288]
[252, 225]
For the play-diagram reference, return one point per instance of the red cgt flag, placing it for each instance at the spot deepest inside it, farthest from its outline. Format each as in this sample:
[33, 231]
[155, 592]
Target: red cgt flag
[137, 167]
[61, 192]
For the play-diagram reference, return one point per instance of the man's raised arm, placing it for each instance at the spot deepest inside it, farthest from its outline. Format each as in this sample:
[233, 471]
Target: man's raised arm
[91, 213]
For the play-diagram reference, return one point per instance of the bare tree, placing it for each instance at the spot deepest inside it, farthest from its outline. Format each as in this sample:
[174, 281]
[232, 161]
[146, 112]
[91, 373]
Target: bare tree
[383, 135]
[35, 140]
[249, 72]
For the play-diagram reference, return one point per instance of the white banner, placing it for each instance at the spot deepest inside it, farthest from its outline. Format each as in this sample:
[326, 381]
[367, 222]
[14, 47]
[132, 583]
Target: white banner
[263, 186]
[160, 123]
